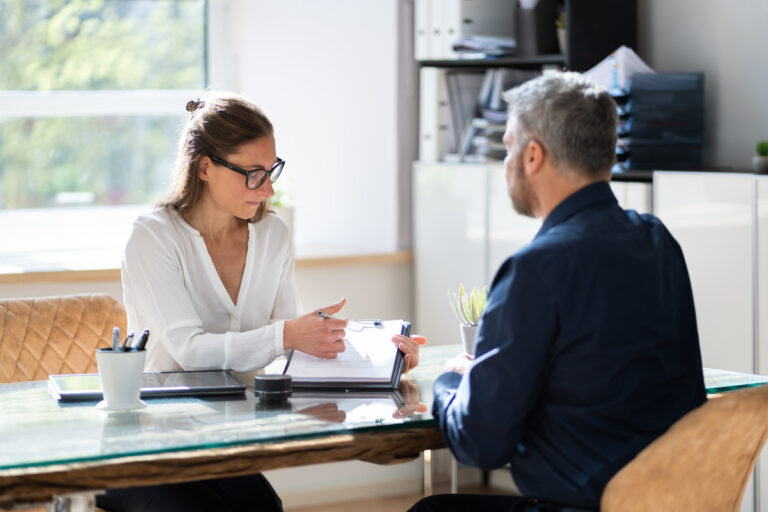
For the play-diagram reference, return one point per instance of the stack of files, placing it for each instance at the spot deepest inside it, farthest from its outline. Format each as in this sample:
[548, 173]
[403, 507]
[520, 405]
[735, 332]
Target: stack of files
[665, 124]
[483, 134]
[622, 129]
[462, 114]
[438, 24]
[485, 46]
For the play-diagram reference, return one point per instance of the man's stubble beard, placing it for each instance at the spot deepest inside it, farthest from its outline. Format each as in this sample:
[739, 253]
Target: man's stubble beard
[521, 193]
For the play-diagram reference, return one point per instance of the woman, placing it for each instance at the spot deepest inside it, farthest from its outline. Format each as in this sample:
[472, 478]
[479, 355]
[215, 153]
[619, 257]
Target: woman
[210, 274]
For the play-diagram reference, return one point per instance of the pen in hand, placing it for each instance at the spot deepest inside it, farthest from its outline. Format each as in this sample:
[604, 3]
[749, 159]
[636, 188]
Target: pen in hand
[325, 315]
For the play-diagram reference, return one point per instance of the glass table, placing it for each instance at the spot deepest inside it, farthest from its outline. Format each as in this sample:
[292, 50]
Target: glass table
[49, 448]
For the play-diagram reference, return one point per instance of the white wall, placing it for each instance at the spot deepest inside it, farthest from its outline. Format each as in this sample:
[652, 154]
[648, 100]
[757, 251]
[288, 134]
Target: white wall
[728, 41]
[329, 77]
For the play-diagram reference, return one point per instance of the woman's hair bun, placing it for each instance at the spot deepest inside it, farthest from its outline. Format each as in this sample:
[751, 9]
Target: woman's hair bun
[193, 105]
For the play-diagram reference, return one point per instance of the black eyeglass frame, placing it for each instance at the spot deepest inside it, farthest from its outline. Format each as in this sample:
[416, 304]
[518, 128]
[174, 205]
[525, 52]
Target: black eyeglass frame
[272, 173]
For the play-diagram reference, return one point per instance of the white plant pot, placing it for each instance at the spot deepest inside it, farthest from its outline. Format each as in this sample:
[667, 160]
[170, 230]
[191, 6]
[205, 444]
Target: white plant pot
[760, 164]
[562, 41]
[468, 333]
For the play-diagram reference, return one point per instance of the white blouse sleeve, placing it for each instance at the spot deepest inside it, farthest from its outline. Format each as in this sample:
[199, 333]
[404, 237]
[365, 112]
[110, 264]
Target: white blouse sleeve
[153, 282]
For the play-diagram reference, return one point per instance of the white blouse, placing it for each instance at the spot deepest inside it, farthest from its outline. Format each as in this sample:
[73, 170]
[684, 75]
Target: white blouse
[171, 287]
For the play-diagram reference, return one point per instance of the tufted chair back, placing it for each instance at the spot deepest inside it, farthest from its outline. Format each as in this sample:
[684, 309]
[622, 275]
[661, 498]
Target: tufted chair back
[51, 335]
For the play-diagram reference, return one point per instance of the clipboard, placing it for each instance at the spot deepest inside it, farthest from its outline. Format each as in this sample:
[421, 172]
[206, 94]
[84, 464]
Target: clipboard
[368, 363]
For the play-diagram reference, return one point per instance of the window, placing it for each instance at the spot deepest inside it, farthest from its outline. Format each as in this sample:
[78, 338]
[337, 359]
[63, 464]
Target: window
[92, 96]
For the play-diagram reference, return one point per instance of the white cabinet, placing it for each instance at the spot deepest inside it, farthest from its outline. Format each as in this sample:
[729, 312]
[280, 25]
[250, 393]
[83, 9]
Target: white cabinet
[711, 216]
[449, 216]
[508, 231]
[463, 228]
[762, 316]
[633, 195]
[721, 222]
[762, 276]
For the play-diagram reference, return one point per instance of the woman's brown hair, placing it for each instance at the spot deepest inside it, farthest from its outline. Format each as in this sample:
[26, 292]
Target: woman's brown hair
[218, 125]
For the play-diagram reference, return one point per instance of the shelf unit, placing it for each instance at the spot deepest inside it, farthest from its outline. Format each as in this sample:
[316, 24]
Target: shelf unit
[462, 209]
[594, 29]
[534, 61]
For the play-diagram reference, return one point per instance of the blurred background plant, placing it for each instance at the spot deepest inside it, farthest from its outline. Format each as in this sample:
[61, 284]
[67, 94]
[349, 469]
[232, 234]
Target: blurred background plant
[469, 306]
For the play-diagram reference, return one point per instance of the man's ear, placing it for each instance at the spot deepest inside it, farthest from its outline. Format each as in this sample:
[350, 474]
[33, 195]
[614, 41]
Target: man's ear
[533, 157]
[203, 167]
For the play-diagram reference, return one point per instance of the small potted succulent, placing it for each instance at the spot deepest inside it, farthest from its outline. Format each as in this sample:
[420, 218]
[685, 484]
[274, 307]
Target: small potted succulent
[760, 160]
[469, 309]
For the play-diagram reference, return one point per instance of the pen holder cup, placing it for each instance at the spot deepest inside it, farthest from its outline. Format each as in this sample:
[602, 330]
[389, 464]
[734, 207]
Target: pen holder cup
[121, 376]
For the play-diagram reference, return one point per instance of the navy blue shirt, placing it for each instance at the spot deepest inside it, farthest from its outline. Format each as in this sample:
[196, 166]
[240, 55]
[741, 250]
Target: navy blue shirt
[587, 351]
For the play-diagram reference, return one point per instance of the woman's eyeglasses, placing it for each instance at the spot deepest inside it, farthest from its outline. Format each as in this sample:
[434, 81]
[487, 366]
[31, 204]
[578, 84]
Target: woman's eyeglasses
[256, 178]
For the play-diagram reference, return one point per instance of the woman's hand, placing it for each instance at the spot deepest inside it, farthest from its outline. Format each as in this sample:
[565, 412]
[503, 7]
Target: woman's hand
[409, 347]
[315, 335]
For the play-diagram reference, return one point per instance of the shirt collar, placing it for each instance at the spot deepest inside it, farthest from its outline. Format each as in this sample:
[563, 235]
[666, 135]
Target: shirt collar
[593, 193]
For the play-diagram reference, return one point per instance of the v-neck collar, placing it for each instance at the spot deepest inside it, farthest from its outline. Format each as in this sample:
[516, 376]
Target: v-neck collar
[213, 275]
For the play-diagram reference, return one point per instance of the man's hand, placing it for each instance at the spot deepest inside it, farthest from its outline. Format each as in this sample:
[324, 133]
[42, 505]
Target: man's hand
[459, 364]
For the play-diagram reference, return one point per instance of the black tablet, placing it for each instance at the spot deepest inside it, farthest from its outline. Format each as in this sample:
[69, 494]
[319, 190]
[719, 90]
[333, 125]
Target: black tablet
[79, 387]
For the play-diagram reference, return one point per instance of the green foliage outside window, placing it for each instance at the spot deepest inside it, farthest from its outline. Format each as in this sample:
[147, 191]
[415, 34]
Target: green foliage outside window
[80, 45]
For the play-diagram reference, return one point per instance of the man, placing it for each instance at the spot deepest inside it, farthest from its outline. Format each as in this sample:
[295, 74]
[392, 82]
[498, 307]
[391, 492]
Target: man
[588, 348]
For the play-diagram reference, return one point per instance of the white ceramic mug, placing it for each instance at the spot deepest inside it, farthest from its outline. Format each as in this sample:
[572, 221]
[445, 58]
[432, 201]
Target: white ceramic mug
[121, 375]
[468, 333]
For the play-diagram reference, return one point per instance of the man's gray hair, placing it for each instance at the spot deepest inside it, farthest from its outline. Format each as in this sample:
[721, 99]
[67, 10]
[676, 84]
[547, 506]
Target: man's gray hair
[573, 118]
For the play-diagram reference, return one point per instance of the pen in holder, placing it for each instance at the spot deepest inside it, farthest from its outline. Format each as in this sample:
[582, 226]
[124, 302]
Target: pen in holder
[121, 375]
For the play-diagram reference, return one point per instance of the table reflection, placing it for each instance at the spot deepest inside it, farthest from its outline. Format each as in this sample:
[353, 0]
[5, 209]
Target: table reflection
[181, 422]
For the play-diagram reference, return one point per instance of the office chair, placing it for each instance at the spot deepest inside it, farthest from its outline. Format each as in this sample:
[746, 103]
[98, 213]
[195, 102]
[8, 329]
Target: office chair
[702, 463]
[51, 335]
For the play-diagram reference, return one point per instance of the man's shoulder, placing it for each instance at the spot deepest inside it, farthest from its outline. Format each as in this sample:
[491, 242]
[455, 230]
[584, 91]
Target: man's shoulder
[648, 220]
[574, 240]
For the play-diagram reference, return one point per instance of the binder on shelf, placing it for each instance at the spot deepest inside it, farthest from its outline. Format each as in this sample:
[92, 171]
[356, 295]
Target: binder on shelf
[434, 115]
[370, 360]
[440, 23]
[436, 23]
[422, 39]
[451, 29]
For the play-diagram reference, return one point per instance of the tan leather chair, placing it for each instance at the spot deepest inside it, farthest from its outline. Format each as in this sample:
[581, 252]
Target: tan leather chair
[701, 463]
[51, 335]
